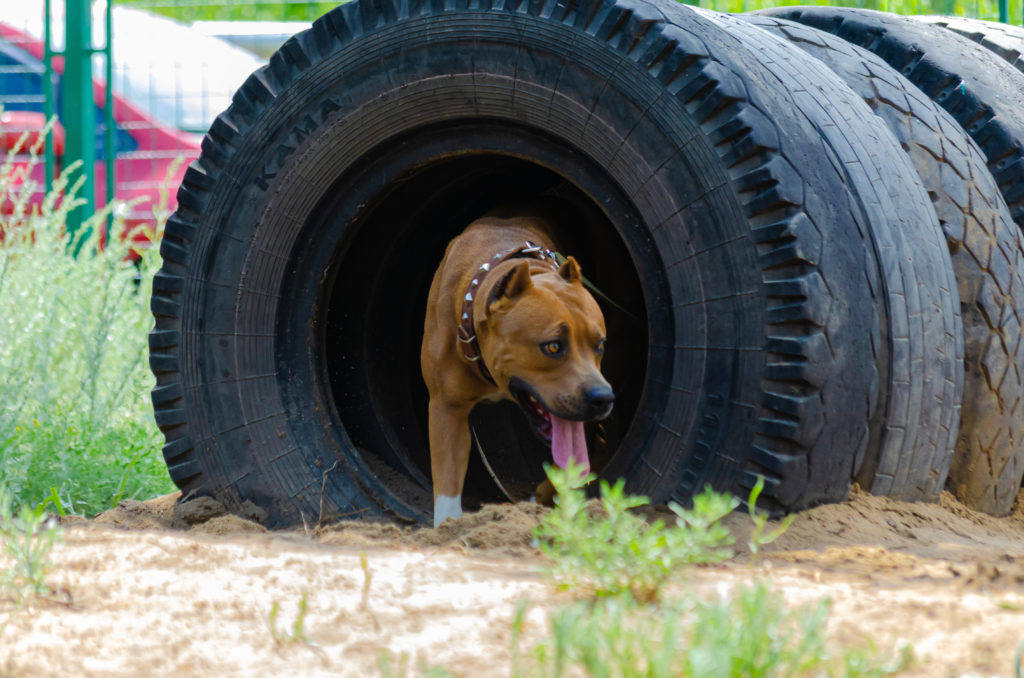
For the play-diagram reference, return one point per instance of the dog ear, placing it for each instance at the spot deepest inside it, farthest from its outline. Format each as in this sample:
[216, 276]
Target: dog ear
[570, 270]
[513, 283]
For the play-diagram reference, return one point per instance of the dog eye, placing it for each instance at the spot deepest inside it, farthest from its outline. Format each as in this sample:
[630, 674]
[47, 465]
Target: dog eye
[600, 347]
[551, 348]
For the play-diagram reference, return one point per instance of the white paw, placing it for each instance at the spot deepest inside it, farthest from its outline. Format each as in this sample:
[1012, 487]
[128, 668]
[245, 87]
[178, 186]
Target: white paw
[446, 507]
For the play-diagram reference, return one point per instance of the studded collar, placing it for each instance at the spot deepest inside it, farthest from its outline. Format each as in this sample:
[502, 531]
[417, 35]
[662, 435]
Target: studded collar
[466, 333]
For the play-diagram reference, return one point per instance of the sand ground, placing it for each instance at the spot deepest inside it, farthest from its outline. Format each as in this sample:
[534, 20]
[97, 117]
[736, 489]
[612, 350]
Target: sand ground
[140, 592]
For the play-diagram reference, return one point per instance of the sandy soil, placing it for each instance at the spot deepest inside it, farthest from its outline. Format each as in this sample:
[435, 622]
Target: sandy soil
[141, 592]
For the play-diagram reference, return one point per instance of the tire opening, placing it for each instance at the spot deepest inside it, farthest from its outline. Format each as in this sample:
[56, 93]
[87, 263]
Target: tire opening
[391, 221]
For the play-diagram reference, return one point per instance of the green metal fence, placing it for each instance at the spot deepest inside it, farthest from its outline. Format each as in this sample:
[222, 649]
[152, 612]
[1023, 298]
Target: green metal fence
[135, 83]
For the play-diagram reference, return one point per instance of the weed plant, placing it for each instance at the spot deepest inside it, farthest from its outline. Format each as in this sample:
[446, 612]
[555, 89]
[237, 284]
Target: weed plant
[400, 667]
[605, 549]
[758, 535]
[27, 537]
[76, 424]
[748, 633]
[624, 624]
[297, 634]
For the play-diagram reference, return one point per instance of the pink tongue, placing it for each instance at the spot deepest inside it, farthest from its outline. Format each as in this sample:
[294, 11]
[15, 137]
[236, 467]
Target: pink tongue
[568, 442]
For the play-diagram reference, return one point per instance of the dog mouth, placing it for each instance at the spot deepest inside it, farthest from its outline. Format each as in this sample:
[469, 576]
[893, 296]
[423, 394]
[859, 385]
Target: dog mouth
[566, 438]
[538, 415]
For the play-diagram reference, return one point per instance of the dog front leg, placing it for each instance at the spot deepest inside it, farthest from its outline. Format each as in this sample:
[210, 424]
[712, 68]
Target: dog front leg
[449, 457]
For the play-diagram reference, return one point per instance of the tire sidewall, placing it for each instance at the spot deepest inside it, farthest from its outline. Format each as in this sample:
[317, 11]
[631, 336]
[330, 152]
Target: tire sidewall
[261, 418]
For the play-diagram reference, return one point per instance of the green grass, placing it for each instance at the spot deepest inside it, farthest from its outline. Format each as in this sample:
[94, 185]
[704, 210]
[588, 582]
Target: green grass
[27, 539]
[297, 634]
[300, 10]
[391, 666]
[76, 424]
[603, 549]
[235, 10]
[627, 623]
[747, 633]
[759, 519]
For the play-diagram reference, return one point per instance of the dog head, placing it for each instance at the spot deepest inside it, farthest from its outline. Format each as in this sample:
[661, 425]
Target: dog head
[543, 337]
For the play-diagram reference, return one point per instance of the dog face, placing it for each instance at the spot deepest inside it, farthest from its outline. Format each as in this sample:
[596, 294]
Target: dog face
[543, 339]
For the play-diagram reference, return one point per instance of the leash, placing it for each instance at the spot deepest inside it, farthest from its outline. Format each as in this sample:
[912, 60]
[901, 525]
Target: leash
[593, 289]
[487, 465]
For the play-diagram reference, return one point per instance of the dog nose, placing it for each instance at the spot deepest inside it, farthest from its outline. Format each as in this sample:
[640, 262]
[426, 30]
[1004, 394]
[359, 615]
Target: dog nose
[599, 401]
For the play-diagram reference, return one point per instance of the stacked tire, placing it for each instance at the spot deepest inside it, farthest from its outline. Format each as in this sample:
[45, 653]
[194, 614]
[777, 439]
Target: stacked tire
[811, 217]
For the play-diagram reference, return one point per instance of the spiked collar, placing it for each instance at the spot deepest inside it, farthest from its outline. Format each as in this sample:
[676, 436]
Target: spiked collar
[466, 333]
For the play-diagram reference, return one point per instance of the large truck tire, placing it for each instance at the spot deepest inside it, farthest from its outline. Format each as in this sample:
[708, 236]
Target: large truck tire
[914, 449]
[1005, 40]
[290, 304]
[987, 252]
[986, 97]
[983, 92]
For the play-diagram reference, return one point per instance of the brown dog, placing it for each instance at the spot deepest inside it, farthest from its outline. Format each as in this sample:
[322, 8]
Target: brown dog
[505, 321]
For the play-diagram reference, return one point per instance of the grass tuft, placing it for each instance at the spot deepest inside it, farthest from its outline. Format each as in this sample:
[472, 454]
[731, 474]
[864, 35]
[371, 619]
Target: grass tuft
[297, 634]
[391, 668]
[76, 424]
[749, 633]
[605, 549]
[758, 536]
[625, 625]
[28, 537]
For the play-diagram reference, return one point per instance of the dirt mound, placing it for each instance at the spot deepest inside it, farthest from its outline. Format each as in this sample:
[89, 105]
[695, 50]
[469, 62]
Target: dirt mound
[499, 528]
[131, 514]
[837, 533]
[502, 528]
[887, 542]
[228, 524]
[943, 529]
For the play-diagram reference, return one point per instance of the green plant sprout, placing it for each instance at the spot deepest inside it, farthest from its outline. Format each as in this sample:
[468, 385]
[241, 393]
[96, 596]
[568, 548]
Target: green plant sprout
[388, 670]
[364, 603]
[28, 537]
[749, 633]
[626, 626]
[297, 633]
[758, 537]
[608, 550]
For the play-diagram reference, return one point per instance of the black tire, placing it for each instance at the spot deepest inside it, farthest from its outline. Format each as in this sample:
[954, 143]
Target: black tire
[987, 252]
[289, 306]
[1005, 40]
[982, 92]
[986, 97]
[914, 448]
